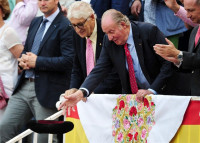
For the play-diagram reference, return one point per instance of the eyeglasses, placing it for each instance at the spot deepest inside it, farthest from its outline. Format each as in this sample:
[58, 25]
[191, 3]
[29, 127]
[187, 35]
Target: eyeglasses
[79, 25]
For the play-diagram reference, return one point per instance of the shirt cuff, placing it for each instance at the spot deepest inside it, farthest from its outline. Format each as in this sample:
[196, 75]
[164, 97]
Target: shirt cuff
[85, 90]
[154, 92]
[180, 60]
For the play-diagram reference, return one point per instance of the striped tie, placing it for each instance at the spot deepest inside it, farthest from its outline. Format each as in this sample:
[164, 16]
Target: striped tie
[36, 45]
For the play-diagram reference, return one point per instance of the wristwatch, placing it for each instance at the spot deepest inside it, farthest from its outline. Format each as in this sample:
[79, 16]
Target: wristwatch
[85, 94]
[180, 56]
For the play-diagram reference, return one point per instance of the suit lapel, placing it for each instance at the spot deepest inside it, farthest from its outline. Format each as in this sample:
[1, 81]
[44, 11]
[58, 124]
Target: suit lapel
[50, 30]
[191, 47]
[198, 40]
[100, 35]
[35, 29]
[83, 52]
[139, 50]
[123, 71]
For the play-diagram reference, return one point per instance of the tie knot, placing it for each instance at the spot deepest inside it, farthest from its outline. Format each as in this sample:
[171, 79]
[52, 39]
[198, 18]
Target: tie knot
[45, 21]
[89, 41]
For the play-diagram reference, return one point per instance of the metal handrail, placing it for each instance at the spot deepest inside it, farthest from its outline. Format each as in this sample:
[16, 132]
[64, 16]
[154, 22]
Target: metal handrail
[28, 131]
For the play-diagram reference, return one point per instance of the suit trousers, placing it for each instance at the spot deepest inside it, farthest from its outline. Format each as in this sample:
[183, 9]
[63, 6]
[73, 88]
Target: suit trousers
[22, 106]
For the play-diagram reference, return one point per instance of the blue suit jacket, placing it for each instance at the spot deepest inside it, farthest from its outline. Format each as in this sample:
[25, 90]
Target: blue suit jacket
[111, 84]
[100, 6]
[155, 69]
[54, 61]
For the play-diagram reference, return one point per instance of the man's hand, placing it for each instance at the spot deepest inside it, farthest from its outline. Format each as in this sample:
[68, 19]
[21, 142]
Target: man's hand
[31, 61]
[70, 91]
[173, 5]
[136, 8]
[141, 93]
[71, 101]
[168, 52]
[22, 62]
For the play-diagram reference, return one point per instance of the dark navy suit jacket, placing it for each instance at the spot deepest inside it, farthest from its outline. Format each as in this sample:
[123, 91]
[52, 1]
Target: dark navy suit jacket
[111, 84]
[155, 69]
[100, 6]
[54, 61]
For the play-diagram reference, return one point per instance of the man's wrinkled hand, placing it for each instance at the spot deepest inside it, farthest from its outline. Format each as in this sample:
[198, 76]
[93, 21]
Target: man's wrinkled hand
[141, 94]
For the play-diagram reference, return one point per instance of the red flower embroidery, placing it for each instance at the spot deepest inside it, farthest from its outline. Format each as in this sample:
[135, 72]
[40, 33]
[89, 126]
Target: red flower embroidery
[130, 136]
[115, 107]
[146, 102]
[121, 104]
[132, 111]
[152, 104]
[135, 136]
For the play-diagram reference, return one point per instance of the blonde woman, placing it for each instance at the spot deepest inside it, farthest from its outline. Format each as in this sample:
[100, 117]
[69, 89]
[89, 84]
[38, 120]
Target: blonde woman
[10, 49]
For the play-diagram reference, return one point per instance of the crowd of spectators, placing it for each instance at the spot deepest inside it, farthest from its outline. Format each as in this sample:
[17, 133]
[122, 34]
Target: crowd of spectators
[50, 47]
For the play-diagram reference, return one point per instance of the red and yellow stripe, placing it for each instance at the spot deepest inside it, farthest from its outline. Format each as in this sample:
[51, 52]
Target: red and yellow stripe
[77, 135]
[189, 131]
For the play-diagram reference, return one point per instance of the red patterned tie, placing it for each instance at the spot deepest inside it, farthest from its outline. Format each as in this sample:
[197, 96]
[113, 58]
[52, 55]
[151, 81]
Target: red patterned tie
[132, 78]
[197, 37]
[89, 56]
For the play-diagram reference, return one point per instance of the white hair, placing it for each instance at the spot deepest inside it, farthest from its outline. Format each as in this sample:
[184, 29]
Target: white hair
[79, 9]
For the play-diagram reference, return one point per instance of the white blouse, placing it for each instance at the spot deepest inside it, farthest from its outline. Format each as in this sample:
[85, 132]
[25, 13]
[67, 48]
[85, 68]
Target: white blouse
[8, 63]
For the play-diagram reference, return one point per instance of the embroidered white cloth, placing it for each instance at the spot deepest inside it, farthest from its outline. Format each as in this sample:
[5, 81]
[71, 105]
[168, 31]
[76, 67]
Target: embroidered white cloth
[96, 117]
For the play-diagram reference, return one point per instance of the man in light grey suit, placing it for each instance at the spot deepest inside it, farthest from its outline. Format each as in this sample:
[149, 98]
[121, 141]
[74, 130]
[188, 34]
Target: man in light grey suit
[186, 60]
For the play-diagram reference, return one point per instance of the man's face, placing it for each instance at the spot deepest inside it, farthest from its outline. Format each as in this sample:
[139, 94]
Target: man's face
[193, 10]
[116, 32]
[83, 27]
[48, 7]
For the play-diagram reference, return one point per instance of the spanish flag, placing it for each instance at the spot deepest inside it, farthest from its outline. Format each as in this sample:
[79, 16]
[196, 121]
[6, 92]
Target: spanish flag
[189, 131]
[77, 135]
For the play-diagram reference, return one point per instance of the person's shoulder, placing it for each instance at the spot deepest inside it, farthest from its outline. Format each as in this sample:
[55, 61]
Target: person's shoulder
[140, 24]
[8, 30]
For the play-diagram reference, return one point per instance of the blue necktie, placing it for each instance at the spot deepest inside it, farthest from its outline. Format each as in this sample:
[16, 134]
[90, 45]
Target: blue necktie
[35, 47]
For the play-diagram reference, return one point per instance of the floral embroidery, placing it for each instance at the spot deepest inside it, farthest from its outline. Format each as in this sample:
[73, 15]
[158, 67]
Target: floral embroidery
[132, 121]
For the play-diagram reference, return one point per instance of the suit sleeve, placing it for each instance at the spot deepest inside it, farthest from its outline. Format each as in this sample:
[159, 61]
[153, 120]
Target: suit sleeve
[77, 77]
[121, 5]
[191, 61]
[64, 56]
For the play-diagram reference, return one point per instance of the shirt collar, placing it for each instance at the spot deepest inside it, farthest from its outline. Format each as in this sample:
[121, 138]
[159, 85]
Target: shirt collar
[94, 33]
[130, 37]
[52, 16]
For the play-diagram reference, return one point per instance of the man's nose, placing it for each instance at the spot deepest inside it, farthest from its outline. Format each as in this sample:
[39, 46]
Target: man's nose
[110, 37]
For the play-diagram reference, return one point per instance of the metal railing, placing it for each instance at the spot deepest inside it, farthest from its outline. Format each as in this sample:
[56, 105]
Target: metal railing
[19, 137]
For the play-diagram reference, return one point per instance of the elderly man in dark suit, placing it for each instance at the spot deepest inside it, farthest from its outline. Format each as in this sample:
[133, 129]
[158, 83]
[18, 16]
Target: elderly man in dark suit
[186, 60]
[88, 29]
[128, 46]
[46, 62]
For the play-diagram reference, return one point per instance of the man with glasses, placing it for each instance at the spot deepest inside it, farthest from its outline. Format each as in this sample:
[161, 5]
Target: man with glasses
[87, 41]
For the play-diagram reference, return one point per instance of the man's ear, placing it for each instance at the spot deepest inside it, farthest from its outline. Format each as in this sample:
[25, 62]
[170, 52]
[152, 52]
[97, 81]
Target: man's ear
[123, 24]
[92, 16]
